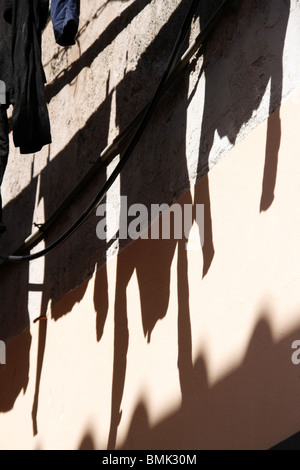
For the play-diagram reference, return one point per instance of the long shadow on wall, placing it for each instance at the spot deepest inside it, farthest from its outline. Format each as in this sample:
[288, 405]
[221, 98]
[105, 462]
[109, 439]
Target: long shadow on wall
[157, 174]
[73, 263]
[150, 261]
[14, 279]
[14, 314]
[14, 376]
[241, 59]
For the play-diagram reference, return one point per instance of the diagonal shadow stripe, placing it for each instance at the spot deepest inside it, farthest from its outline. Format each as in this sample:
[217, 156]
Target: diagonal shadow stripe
[87, 58]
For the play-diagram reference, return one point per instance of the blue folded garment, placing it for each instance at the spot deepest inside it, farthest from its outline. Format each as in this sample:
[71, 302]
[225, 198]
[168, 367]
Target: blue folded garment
[65, 20]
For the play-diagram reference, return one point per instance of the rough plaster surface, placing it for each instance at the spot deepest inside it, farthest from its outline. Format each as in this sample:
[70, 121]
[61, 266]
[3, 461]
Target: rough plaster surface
[95, 88]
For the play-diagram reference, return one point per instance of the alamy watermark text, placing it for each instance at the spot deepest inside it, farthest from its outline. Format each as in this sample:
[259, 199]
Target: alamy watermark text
[161, 221]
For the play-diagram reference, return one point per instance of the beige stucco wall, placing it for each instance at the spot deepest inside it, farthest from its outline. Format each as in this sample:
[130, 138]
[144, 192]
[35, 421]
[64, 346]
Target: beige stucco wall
[149, 345]
[217, 370]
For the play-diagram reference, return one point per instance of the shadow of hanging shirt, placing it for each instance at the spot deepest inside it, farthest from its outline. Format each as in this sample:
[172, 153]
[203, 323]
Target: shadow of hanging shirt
[65, 20]
[31, 125]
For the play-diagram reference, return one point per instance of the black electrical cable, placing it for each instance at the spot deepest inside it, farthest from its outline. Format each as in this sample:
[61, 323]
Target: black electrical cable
[143, 117]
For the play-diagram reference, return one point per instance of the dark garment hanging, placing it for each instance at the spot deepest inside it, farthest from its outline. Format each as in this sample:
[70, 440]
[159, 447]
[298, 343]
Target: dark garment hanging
[65, 20]
[21, 70]
[30, 120]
